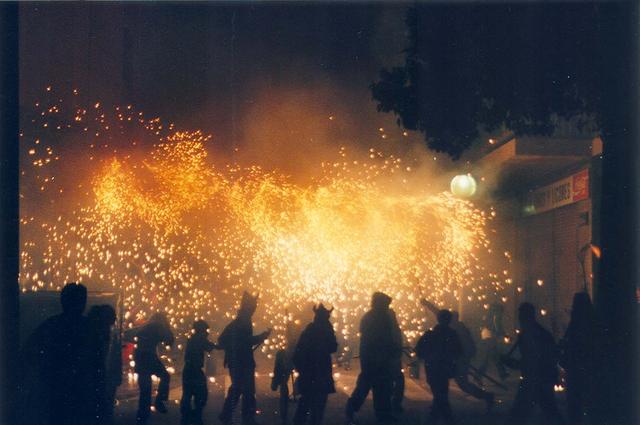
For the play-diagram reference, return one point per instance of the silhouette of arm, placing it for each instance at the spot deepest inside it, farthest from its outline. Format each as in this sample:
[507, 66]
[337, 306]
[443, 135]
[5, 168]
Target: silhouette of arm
[258, 339]
[430, 306]
[209, 346]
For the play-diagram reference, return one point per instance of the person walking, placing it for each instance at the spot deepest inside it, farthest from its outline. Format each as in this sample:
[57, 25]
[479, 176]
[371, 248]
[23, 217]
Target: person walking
[463, 363]
[380, 347]
[283, 367]
[539, 369]
[238, 342]
[579, 359]
[440, 348]
[194, 381]
[147, 338]
[312, 359]
[494, 331]
[55, 388]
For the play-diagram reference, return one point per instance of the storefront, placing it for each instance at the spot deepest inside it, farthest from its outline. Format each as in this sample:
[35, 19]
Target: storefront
[555, 237]
[545, 188]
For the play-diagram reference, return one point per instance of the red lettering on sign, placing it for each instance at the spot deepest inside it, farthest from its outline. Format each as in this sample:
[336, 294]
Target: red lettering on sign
[581, 185]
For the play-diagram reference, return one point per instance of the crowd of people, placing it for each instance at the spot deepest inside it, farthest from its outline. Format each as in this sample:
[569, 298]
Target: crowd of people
[72, 364]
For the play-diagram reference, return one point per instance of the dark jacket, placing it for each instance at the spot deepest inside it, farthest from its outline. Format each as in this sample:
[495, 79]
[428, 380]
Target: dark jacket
[237, 341]
[312, 358]
[539, 355]
[149, 336]
[197, 345]
[380, 340]
[54, 371]
[440, 348]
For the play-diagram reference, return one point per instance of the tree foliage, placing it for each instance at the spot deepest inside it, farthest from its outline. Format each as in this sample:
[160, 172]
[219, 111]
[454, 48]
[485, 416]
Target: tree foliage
[480, 67]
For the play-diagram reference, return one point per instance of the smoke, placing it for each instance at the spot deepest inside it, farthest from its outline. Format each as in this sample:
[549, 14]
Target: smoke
[295, 129]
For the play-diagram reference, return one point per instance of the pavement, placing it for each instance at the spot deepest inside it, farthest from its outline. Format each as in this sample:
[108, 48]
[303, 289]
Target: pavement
[467, 410]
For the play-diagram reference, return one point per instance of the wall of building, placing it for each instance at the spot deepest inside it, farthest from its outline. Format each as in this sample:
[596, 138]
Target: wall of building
[550, 260]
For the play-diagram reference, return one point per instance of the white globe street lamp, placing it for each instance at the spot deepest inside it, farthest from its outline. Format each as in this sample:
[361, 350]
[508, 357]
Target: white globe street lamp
[463, 185]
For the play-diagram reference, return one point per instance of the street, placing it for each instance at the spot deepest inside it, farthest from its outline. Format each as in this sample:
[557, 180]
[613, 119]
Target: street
[467, 410]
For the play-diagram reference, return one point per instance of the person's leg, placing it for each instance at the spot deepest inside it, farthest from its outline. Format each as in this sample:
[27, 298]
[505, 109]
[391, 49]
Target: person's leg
[574, 399]
[398, 391]
[439, 384]
[144, 402]
[158, 369]
[547, 401]
[249, 395]
[317, 408]
[496, 359]
[446, 407]
[300, 417]
[185, 401]
[284, 401]
[436, 408]
[485, 355]
[359, 394]
[382, 387]
[200, 395]
[233, 395]
[521, 408]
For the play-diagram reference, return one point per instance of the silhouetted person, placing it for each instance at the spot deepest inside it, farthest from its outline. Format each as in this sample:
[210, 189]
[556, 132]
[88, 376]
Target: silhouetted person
[113, 374]
[463, 363]
[100, 320]
[55, 373]
[312, 359]
[492, 343]
[283, 369]
[579, 359]
[538, 366]
[156, 331]
[194, 381]
[238, 342]
[440, 348]
[380, 347]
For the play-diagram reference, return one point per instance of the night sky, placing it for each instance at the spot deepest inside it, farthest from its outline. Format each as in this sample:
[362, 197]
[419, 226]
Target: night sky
[217, 66]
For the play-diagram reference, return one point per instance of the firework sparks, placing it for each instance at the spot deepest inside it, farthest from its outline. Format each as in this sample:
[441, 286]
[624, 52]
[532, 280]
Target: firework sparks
[175, 233]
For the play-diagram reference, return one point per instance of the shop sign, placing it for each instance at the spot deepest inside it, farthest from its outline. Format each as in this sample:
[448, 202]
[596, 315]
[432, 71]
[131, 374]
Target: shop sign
[563, 192]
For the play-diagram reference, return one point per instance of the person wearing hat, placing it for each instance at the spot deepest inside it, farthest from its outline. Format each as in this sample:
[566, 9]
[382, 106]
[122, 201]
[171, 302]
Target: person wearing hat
[312, 359]
[380, 348]
[238, 342]
[194, 382]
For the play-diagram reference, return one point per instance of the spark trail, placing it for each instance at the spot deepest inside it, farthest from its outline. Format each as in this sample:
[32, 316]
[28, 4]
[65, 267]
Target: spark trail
[162, 223]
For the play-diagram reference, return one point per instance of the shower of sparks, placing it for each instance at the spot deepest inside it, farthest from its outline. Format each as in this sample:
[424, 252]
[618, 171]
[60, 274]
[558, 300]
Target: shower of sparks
[171, 230]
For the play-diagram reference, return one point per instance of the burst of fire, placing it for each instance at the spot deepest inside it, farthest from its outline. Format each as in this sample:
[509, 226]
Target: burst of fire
[175, 233]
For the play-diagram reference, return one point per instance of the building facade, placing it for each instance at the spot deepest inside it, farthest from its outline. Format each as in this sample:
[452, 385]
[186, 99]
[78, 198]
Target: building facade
[544, 190]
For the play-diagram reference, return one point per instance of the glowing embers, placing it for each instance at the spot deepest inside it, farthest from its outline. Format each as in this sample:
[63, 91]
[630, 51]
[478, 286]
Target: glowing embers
[175, 233]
